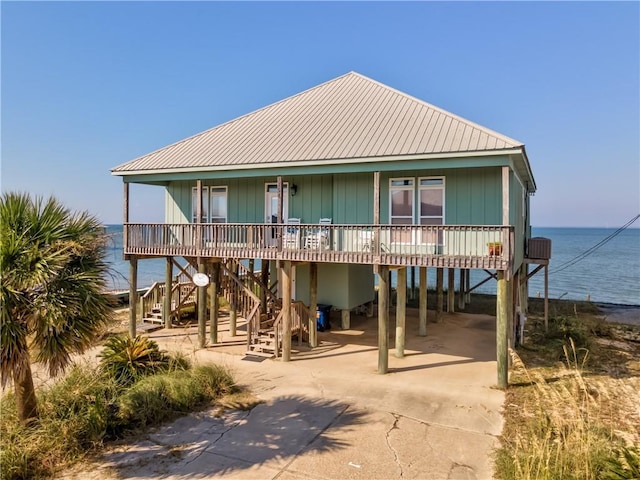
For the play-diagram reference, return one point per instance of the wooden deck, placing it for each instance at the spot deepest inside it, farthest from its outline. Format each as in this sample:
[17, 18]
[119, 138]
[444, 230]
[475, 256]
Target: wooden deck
[448, 246]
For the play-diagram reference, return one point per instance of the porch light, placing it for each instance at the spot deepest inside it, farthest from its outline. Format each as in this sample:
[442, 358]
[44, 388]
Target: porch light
[294, 189]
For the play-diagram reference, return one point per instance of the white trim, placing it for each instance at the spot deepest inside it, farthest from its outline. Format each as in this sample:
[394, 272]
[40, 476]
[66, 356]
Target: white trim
[441, 187]
[285, 197]
[402, 188]
[312, 163]
[205, 204]
[223, 189]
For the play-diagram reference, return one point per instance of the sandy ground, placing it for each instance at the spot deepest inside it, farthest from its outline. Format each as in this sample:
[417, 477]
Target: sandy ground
[327, 414]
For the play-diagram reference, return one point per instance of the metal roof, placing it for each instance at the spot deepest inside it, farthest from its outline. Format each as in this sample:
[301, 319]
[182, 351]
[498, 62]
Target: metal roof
[347, 118]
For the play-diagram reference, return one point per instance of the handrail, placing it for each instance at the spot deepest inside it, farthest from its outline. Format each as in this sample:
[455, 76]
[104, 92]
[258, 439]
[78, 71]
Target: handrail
[277, 331]
[246, 302]
[458, 246]
[257, 283]
[300, 319]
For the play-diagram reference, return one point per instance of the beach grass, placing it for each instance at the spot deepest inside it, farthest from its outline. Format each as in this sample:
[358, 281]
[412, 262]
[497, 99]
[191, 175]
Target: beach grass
[571, 411]
[89, 406]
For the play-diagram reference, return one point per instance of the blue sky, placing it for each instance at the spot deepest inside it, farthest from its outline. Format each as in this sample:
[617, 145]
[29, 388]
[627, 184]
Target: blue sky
[87, 86]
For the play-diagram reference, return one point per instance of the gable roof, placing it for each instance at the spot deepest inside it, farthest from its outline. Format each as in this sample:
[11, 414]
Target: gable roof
[347, 118]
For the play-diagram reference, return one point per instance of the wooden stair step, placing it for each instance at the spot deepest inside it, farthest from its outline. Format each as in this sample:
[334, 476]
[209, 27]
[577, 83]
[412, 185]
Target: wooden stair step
[152, 320]
[260, 346]
[259, 354]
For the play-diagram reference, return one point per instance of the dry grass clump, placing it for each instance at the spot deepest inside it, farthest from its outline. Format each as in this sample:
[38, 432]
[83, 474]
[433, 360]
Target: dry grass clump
[91, 405]
[570, 425]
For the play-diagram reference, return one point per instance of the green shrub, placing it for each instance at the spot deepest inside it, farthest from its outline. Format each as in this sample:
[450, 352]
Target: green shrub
[88, 406]
[157, 398]
[127, 359]
[625, 465]
[75, 415]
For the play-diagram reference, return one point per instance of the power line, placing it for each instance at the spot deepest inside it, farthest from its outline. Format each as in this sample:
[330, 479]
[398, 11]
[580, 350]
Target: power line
[588, 252]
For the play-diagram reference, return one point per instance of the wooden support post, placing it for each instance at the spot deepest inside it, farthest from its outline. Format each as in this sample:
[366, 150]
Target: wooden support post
[214, 302]
[461, 293]
[313, 300]
[280, 186]
[467, 288]
[376, 216]
[286, 310]
[510, 316]
[524, 290]
[125, 219]
[401, 310]
[413, 283]
[346, 319]
[439, 293]
[233, 305]
[502, 325]
[133, 295]
[546, 297]
[383, 319]
[199, 210]
[376, 198]
[168, 290]
[202, 309]
[422, 312]
[451, 291]
[505, 196]
[264, 276]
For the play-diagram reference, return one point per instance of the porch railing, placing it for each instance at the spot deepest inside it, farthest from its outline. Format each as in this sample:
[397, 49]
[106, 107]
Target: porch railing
[461, 246]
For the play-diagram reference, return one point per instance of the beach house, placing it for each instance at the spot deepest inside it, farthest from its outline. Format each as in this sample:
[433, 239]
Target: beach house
[328, 189]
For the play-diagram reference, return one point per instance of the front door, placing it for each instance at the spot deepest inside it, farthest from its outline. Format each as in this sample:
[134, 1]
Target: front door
[271, 207]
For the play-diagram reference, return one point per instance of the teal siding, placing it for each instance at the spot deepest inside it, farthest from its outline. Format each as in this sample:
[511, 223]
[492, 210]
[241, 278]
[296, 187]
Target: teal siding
[472, 197]
[178, 202]
[353, 198]
[313, 199]
[344, 286]
[516, 218]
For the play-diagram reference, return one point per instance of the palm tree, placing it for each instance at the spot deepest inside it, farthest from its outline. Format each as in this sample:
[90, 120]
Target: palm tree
[52, 279]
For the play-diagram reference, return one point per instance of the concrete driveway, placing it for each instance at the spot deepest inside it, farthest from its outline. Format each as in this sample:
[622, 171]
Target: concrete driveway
[328, 415]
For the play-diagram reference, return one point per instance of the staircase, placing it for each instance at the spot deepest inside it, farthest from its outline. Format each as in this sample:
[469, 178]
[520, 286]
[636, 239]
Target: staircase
[183, 295]
[247, 294]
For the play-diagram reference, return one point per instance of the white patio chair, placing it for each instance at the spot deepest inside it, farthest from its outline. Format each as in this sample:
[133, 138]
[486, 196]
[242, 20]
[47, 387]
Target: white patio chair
[319, 238]
[291, 237]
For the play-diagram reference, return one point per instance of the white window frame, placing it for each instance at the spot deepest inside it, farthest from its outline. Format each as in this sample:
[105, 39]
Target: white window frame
[400, 188]
[285, 195]
[432, 187]
[218, 191]
[441, 238]
[205, 204]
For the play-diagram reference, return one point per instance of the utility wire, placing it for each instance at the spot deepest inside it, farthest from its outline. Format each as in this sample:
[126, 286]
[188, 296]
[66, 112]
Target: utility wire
[588, 252]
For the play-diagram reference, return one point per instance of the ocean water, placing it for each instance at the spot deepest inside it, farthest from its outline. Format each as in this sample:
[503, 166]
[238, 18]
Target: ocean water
[609, 274]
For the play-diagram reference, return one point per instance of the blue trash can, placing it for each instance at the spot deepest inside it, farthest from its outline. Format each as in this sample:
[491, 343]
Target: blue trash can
[322, 317]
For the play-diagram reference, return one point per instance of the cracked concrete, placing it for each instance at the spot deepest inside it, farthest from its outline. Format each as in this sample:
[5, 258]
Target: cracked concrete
[328, 415]
[393, 450]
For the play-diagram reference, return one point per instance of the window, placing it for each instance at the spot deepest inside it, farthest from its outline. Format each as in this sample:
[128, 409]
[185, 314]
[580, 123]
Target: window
[401, 201]
[429, 211]
[205, 205]
[401, 206]
[431, 192]
[214, 205]
[218, 209]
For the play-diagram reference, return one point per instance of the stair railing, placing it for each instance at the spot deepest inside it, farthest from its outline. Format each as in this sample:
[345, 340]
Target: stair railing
[246, 302]
[152, 297]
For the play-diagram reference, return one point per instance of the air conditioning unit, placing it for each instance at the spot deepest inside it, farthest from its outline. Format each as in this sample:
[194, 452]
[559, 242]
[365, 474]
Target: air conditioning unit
[539, 248]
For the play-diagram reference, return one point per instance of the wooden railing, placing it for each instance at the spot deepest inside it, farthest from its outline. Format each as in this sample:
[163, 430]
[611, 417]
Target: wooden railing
[246, 303]
[458, 246]
[182, 294]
